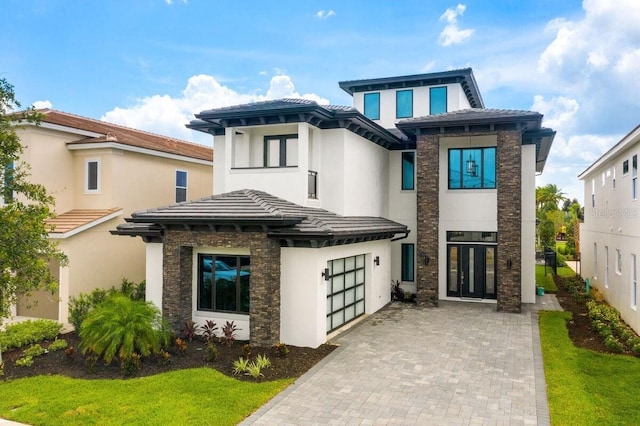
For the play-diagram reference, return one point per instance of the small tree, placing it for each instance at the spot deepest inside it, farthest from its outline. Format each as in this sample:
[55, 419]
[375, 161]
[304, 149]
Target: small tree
[25, 249]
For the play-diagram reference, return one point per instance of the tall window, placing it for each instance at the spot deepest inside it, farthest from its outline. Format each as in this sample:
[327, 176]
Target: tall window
[472, 168]
[407, 273]
[404, 103]
[223, 283]
[618, 262]
[593, 192]
[372, 105]
[437, 100]
[625, 167]
[595, 259]
[634, 177]
[281, 151]
[408, 170]
[92, 175]
[613, 179]
[606, 266]
[181, 186]
[634, 282]
[6, 187]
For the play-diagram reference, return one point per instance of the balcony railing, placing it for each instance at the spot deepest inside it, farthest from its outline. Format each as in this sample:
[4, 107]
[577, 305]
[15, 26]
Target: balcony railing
[312, 184]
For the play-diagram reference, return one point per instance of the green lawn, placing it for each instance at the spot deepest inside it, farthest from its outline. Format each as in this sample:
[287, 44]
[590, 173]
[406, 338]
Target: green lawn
[545, 281]
[585, 387]
[565, 271]
[195, 396]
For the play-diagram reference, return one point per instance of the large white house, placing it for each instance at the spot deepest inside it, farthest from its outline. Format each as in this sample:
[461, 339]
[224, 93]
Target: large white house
[316, 209]
[610, 234]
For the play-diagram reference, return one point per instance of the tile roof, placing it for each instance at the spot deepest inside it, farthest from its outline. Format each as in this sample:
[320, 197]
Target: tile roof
[284, 219]
[74, 219]
[126, 136]
[473, 115]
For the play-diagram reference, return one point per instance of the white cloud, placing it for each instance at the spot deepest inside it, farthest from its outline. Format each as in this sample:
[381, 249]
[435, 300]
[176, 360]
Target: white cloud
[322, 14]
[168, 115]
[170, 2]
[559, 113]
[42, 105]
[451, 34]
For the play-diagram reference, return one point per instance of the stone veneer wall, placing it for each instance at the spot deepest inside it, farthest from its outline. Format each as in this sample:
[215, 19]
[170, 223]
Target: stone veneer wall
[264, 293]
[428, 202]
[509, 182]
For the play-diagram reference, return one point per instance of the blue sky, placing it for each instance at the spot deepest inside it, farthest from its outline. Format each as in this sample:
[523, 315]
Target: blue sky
[152, 64]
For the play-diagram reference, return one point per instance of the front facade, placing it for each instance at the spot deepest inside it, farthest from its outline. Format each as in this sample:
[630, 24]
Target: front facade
[99, 173]
[442, 191]
[610, 235]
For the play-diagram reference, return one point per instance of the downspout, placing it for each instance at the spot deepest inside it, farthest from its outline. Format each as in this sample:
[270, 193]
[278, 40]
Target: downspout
[406, 234]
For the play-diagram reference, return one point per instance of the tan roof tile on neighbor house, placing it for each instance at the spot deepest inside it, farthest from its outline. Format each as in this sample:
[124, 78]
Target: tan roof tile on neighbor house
[75, 219]
[126, 135]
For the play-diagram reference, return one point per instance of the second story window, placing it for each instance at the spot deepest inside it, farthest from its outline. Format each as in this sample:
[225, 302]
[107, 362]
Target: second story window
[408, 170]
[634, 177]
[281, 151]
[181, 186]
[472, 168]
[92, 175]
[625, 167]
[372, 106]
[437, 100]
[404, 103]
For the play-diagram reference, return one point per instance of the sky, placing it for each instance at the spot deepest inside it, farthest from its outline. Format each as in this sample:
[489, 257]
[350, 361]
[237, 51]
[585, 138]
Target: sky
[153, 64]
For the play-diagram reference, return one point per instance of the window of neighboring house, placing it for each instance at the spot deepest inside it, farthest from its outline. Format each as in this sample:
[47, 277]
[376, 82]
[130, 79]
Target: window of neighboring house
[437, 100]
[472, 168]
[407, 273]
[634, 177]
[593, 192]
[625, 167]
[634, 282]
[281, 151]
[372, 105]
[595, 260]
[618, 262]
[606, 266]
[223, 283]
[181, 186]
[6, 196]
[92, 175]
[404, 103]
[604, 180]
[613, 179]
[408, 170]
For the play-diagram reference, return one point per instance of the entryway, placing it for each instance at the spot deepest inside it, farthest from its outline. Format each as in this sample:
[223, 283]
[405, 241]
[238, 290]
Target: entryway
[471, 271]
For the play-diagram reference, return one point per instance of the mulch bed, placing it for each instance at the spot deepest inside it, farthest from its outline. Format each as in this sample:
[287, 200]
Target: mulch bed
[297, 362]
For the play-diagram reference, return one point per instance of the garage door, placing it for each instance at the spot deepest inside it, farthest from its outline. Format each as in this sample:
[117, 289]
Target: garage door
[345, 291]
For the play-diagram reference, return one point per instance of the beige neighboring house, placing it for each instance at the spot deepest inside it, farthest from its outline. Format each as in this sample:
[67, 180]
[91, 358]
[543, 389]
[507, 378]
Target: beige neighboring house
[99, 173]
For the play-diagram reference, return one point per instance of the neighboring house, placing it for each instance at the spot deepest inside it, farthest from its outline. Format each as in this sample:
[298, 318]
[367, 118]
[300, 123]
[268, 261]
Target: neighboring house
[325, 205]
[98, 173]
[610, 234]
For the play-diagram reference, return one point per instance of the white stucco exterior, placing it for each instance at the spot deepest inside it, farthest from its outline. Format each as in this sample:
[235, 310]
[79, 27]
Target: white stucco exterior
[612, 224]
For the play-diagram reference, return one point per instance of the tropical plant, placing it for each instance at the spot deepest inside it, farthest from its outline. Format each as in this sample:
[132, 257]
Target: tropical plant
[229, 333]
[57, 345]
[121, 327]
[281, 350]
[212, 352]
[190, 330]
[254, 370]
[263, 361]
[240, 365]
[27, 332]
[209, 330]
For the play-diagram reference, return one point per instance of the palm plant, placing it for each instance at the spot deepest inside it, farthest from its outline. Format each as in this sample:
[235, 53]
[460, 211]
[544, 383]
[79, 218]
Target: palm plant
[121, 327]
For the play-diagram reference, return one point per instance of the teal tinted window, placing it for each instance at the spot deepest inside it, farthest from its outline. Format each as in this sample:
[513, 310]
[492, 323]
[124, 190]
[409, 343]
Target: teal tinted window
[372, 106]
[404, 103]
[472, 168]
[408, 168]
[437, 100]
[407, 262]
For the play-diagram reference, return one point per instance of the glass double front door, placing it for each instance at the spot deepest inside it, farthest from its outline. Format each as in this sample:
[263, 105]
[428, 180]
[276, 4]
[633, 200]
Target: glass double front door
[471, 271]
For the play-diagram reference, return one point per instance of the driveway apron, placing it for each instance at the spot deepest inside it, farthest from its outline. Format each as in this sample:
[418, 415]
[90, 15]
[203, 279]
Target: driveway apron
[458, 364]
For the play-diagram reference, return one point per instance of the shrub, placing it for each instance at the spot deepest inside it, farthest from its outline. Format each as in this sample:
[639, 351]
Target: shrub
[212, 352]
[34, 351]
[180, 345]
[246, 350]
[57, 345]
[209, 330]
[70, 353]
[262, 361]
[27, 332]
[25, 361]
[240, 365]
[164, 358]
[281, 350]
[613, 344]
[190, 330]
[121, 327]
[229, 333]
[254, 370]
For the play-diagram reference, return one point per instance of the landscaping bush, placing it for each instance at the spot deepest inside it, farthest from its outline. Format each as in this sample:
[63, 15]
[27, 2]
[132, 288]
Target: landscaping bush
[27, 332]
[123, 328]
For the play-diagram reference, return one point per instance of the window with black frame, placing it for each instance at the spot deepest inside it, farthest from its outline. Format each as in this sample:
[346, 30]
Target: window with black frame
[472, 168]
[223, 283]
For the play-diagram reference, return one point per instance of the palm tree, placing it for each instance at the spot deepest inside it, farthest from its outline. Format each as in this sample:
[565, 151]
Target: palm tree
[549, 196]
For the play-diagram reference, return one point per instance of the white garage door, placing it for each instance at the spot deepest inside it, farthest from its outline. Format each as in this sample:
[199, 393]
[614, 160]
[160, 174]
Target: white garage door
[345, 291]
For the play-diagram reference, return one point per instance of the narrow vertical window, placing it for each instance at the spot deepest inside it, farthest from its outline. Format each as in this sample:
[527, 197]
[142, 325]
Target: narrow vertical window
[407, 262]
[618, 262]
[593, 192]
[92, 176]
[595, 259]
[606, 266]
[181, 186]
[634, 282]
[634, 177]
[613, 179]
[404, 103]
[625, 167]
[372, 106]
[437, 100]
[408, 170]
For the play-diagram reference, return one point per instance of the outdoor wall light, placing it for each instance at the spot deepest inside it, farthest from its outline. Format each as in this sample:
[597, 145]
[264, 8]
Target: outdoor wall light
[376, 260]
[325, 274]
[426, 259]
[509, 264]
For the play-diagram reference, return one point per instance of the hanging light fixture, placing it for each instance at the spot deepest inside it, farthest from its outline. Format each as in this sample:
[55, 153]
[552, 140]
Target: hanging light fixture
[472, 167]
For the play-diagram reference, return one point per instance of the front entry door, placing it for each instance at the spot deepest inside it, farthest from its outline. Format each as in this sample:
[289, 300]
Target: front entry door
[471, 271]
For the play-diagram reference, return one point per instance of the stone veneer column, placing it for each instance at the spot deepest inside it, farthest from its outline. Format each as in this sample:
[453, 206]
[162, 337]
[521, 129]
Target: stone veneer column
[427, 167]
[509, 257]
[264, 293]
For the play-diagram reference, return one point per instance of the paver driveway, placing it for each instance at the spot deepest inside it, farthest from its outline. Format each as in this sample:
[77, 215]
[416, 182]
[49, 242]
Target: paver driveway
[460, 363]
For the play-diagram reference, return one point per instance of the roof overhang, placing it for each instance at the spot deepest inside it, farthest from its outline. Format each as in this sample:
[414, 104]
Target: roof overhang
[630, 138]
[79, 146]
[90, 220]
